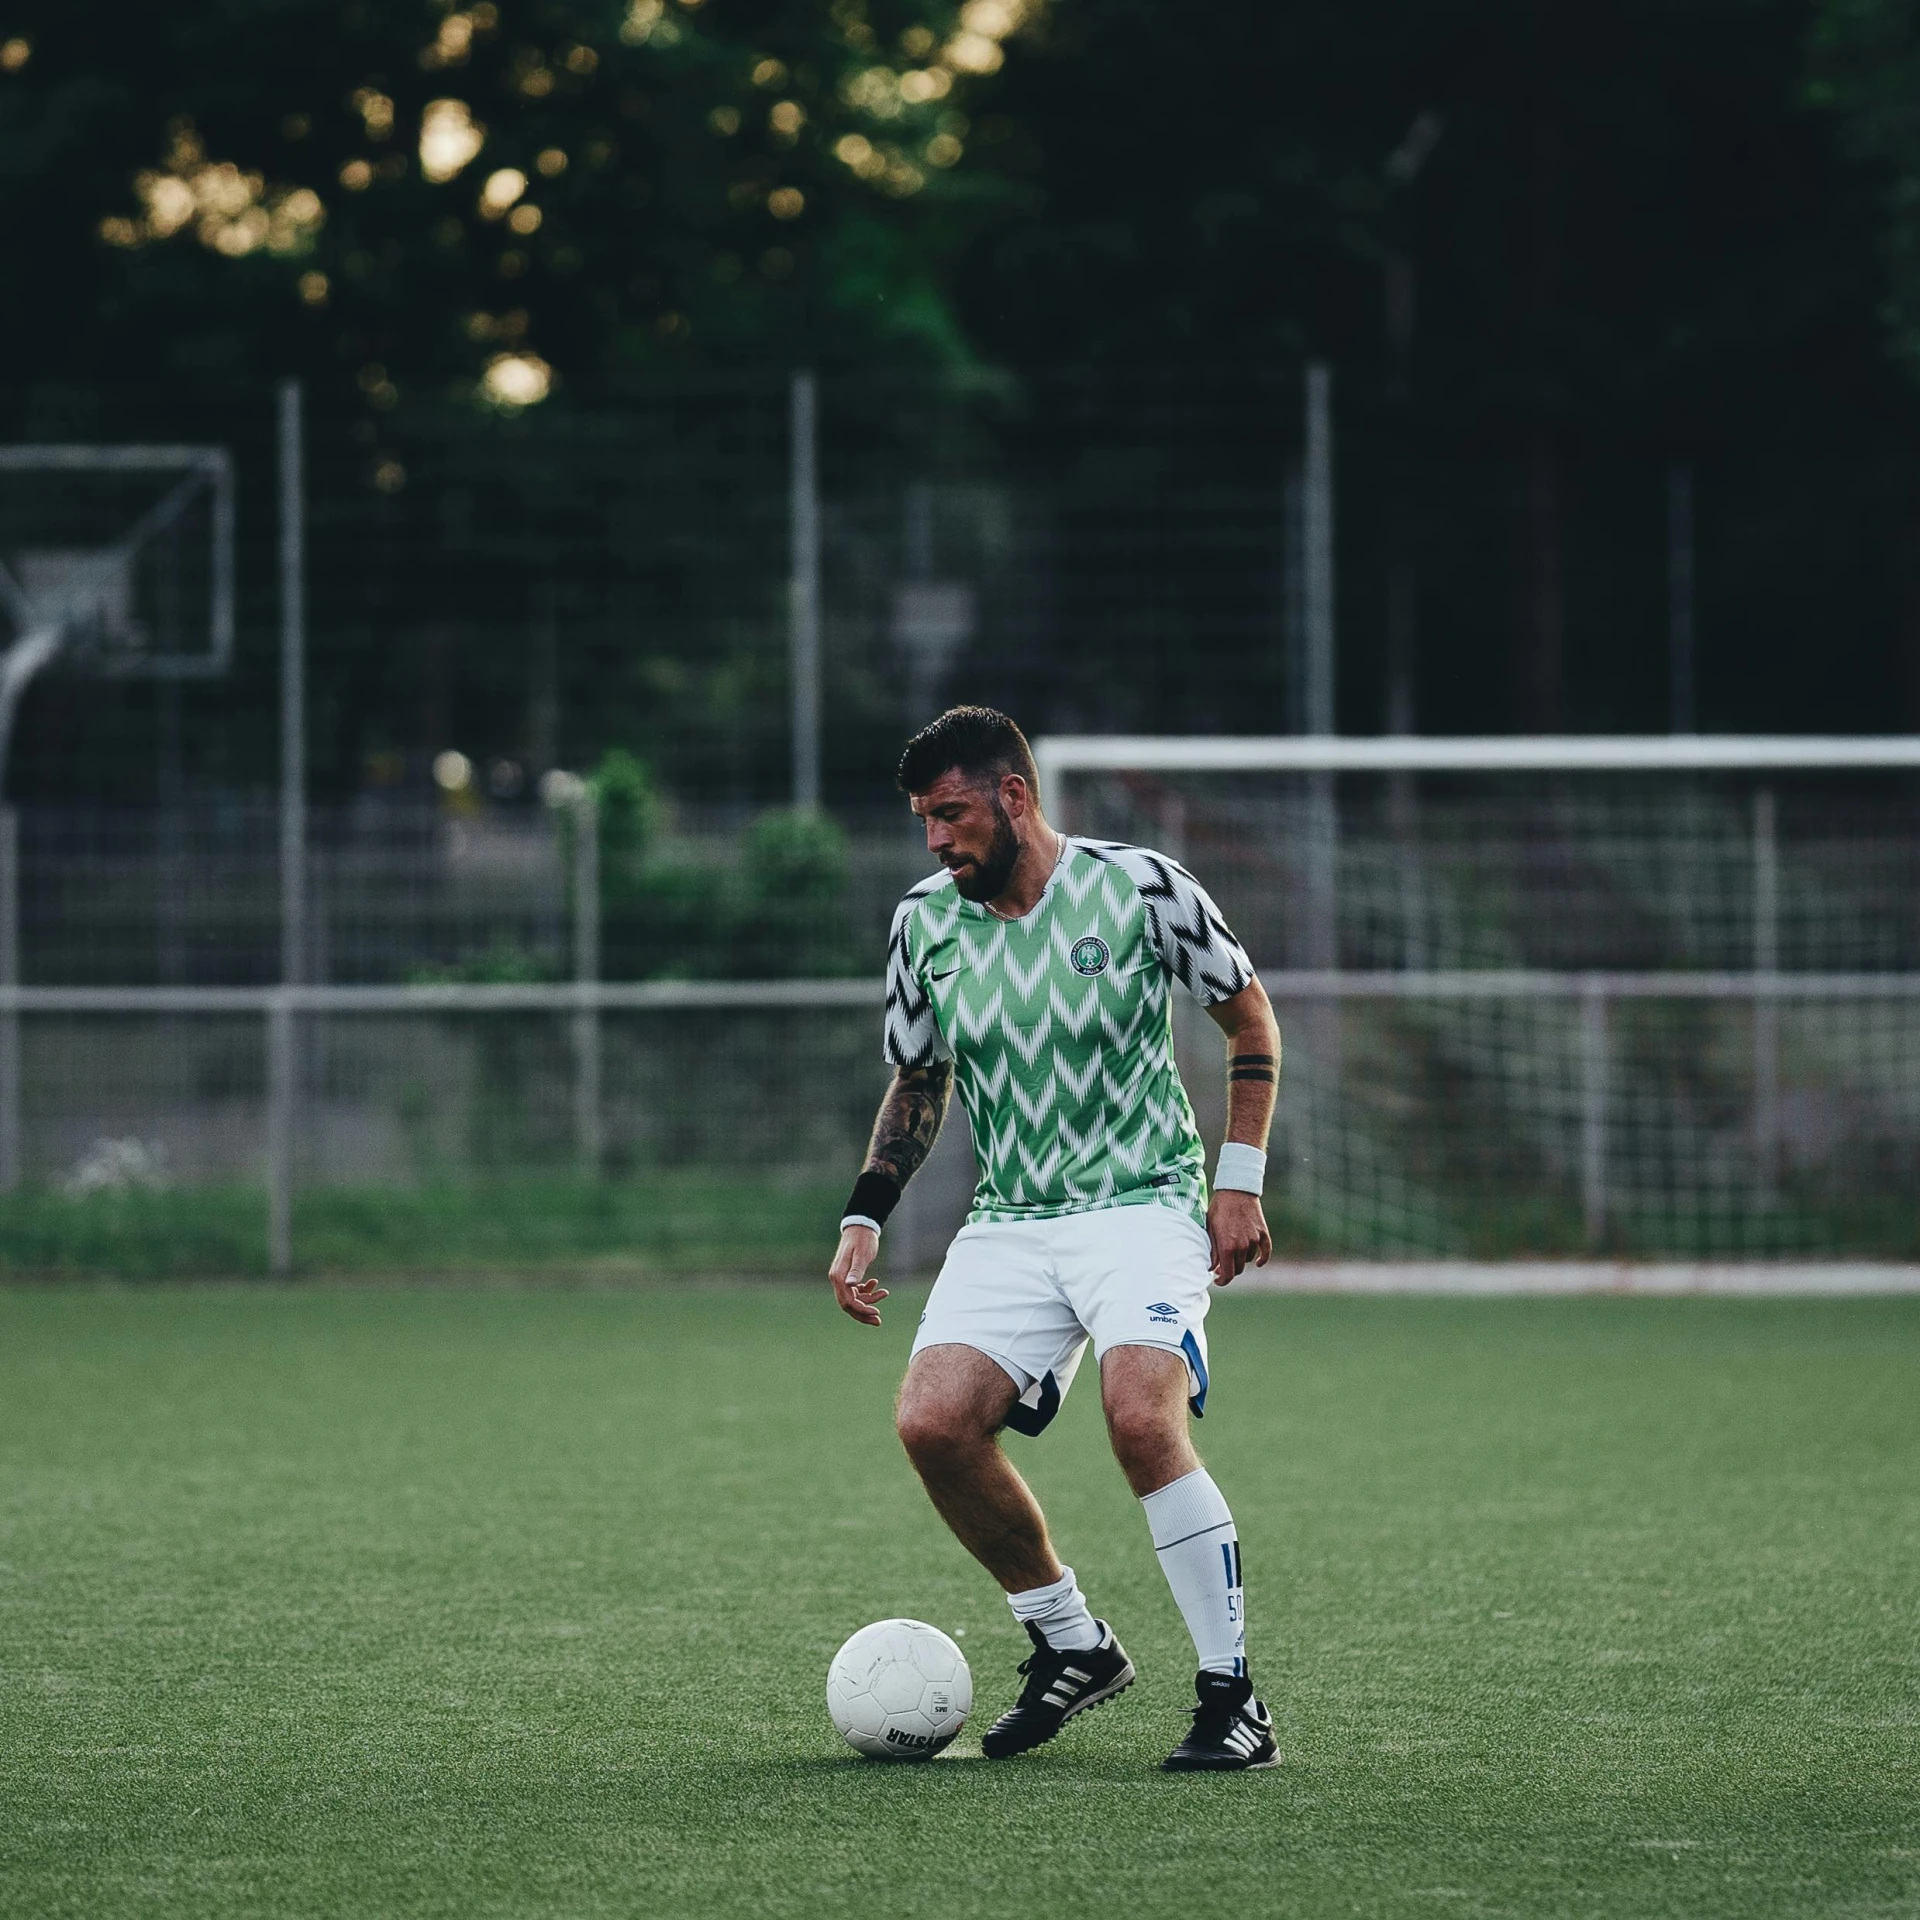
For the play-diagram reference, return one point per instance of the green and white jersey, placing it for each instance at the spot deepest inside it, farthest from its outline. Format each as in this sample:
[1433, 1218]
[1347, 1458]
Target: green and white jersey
[1060, 1027]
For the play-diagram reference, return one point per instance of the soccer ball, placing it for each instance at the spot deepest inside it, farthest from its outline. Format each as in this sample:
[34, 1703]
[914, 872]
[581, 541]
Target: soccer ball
[899, 1690]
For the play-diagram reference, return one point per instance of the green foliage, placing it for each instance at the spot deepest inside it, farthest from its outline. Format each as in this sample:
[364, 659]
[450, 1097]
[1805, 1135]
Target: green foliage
[503, 964]
[629, 807]
[1866, 74]
[704, 182]
[663, 1221]
[790, 899]
[778, 912]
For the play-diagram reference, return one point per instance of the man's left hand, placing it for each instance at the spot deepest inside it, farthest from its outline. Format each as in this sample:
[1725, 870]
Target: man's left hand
[1237, 1230]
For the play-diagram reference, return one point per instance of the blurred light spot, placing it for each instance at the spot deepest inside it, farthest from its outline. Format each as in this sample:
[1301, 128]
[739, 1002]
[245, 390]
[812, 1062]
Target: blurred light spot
[786, 203]
[787, 117]
[673, 326]
[852, 149]
[390, 476]
[770, 73]
[917, 42]
[452, 772]
[448, 232]
[314, 288]
[994, 19]
[724, 121]
[14, 54]
[535, 81]
[874, 90]
[943, 150]
[924, 84]
[776, 263]
[552, 162]
[517, 380]
[356, 176]
[580, 59]
[974, 53]
[505, 778]
[646, 20]
[449, 139]
[512, 264]
[118, 231]
[501, 190]
[559, 788]
[296, 126]
[376, 110]
[525, 218]
[452, 44]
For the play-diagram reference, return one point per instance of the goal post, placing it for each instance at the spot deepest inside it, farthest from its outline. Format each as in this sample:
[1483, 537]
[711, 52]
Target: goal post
[1635, 997]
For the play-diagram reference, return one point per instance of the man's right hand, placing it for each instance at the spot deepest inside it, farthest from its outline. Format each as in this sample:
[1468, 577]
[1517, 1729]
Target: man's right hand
[859, 1297]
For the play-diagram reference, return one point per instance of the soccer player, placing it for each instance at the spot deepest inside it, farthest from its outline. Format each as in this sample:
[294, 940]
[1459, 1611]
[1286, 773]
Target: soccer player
[1037, 971]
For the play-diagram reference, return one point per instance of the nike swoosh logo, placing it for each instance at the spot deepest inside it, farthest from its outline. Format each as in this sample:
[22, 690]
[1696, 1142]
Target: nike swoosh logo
[948, 975]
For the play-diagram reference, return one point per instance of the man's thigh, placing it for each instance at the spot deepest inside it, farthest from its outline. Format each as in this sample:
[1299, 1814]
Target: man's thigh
[998, 1293]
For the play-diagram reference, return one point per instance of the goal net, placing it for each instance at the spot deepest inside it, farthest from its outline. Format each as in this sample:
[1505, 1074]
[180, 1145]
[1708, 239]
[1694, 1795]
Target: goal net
[1648, 998]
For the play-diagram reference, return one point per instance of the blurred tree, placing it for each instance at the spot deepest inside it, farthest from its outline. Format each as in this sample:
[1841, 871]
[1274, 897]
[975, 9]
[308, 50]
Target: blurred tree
[499, 189]
[1866, 73]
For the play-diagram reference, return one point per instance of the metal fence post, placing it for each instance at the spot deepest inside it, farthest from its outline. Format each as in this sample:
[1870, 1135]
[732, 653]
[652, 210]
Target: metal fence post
[803, 604]
[1766, 1008]
[280, 1131]
[586, 978]
[1594, 1075]
[10, 1019]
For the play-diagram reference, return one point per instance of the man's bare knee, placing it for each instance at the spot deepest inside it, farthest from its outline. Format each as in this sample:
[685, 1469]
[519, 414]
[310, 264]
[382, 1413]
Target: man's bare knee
[936, 1432]
[1145, 1434]
[1144, 1393]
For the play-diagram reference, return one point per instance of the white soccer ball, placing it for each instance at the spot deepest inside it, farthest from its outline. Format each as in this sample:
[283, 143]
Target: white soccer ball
[899, 1690]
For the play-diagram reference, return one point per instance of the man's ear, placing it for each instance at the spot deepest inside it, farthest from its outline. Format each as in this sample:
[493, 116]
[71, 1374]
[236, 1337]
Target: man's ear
[1015, 796]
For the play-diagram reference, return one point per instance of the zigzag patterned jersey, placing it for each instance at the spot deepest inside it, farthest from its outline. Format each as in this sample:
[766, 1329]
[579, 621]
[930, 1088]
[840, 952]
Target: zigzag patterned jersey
[1060, 1027]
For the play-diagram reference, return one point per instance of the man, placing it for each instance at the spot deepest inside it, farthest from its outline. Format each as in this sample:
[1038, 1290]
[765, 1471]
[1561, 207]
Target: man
[1037, 970]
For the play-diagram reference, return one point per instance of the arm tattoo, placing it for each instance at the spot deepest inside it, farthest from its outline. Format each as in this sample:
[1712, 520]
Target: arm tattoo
[909, 1119]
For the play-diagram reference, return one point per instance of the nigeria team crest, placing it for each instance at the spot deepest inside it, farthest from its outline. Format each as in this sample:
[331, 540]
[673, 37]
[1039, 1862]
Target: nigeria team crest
[1089, 955]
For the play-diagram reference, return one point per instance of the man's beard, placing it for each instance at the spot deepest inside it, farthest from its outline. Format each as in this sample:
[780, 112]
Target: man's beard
[988, 879]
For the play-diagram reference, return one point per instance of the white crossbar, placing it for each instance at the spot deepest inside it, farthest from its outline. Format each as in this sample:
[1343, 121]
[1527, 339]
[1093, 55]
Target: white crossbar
[1491, 753]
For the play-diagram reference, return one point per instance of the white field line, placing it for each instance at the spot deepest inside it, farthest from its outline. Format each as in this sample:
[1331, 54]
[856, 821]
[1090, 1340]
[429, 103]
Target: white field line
[1774, 1279]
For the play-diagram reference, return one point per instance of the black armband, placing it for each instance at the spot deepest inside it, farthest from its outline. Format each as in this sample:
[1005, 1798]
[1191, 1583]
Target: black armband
[875, 1195]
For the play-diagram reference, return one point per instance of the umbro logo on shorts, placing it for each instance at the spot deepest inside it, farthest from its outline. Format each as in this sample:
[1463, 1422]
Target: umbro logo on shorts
[1162, 1310]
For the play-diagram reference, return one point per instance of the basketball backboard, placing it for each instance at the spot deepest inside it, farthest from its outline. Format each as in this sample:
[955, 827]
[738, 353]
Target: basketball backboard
[124, 554]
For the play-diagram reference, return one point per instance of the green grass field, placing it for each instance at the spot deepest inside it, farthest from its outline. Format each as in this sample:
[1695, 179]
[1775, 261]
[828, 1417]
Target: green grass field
[316, 1601]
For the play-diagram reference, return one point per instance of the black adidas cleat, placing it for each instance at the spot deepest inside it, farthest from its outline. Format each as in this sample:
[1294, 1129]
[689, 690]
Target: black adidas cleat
[1060, 1683]
[1231, 1733]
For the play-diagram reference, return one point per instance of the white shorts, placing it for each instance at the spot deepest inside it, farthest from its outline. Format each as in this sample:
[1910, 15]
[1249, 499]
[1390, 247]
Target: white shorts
[1029, 1294]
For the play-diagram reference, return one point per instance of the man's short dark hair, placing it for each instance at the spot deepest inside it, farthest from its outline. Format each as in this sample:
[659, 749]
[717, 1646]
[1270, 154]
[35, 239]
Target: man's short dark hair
[979, 742]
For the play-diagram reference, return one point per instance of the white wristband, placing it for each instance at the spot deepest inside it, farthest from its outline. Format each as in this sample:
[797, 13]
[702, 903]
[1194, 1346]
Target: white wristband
[859, 1220]
[1242, 1168]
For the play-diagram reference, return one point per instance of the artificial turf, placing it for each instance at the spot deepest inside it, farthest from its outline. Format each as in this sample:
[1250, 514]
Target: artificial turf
[468, 1602]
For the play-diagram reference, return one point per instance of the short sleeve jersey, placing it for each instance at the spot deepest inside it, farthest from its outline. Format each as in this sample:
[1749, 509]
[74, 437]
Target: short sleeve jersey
[1060, 1027]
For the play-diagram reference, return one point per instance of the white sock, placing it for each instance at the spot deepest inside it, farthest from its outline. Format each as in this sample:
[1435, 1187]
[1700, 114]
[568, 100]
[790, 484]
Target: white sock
[1199, 1549]
[1060, 1614]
